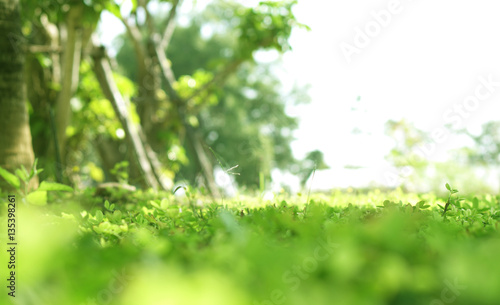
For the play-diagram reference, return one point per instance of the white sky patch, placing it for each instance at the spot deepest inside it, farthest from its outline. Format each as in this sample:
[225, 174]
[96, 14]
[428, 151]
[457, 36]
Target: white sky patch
[281, 179]
[416, 68]
[126, 7]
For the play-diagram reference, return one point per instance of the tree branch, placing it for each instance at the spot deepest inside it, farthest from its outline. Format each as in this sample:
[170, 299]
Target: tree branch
[168, 74]
[70, 72]
[149, 18]
[161, 44]
[136, 37]
[170, 26]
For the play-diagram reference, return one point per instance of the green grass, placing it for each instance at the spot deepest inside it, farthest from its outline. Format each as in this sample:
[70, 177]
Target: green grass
[340, 248]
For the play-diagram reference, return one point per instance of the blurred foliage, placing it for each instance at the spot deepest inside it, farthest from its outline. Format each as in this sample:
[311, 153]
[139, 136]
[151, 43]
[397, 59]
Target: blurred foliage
[487, 145]
[347, 248]
[93, 114]
[19, 184]
[407, 139]
[268, 26]
[417, 171]
[56, 10]
[94, 122]
[313, 161]
[244, 120]
[249, 125]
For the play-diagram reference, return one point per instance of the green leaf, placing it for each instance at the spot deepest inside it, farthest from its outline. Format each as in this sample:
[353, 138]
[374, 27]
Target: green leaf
[164, 204]
[117, 215]
[25, 175]
[114, 9]
[99, 216]
[134, 5]
[448, 187]
[37, 197]
[33, 168]
[389, 204]
[22, 174]
[422, 205]
[52, 186]
[34, 171]
[475, 203]
[151, 202]
[10, 178]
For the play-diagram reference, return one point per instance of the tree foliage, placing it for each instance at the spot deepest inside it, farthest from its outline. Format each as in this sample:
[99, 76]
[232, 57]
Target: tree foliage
[243, 120]
[487, 145]
[197, 99]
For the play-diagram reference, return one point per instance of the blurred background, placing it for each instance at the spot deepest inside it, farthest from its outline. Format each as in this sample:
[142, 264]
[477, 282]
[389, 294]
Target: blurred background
[376, 100]
[382, 94]
[240, 95]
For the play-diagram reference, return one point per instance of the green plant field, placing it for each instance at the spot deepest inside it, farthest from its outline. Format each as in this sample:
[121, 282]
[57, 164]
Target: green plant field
[341, 248]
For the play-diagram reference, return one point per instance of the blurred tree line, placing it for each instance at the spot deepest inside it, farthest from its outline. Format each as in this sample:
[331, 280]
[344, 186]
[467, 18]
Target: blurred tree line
[173, 104]
[474, 167]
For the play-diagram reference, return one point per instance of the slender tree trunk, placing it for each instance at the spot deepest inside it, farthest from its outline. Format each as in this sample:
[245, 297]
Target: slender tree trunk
[192, 135]
[207, 170]
[15, 136]
[70, 69]
[144, 155]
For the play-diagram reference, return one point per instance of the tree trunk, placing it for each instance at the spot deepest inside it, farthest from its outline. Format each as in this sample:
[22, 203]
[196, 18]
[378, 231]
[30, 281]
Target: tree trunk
[70, 69]
[207, 170]
[15, 136]
[144, 156]
[42, 93]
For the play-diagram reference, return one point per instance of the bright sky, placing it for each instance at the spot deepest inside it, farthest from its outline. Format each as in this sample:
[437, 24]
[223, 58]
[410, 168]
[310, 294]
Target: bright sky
[430, 62]
[423, 58]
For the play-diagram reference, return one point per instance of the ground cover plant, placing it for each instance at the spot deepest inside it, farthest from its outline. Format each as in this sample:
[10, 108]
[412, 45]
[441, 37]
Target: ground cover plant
[345, 247]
